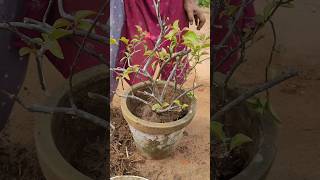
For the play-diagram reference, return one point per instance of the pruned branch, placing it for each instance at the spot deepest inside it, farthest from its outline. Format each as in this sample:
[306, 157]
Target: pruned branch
[82, 46]
[44, 19]
[47, 29]
[51, 110]
[251, 93]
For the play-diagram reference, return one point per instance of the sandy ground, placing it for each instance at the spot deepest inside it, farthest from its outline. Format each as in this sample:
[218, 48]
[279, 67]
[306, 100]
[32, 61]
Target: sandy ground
[191, 160]
[296, 101]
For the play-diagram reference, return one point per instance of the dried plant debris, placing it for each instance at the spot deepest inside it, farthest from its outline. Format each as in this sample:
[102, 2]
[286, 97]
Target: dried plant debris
[18, 162]
[123, 154]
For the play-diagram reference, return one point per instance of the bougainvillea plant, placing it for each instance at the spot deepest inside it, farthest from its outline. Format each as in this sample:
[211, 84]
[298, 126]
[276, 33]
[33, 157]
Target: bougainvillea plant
[184, 50]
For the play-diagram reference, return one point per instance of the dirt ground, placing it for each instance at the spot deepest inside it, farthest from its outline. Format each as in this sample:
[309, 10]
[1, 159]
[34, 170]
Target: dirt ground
[296, 101]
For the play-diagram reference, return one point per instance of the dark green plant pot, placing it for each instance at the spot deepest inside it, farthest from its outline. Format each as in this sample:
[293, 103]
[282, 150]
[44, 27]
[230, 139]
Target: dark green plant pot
[263, 131]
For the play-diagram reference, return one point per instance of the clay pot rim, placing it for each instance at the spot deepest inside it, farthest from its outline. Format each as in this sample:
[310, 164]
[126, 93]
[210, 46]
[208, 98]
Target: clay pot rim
[154, 127]
[53, 165]
[115, 177]
[262, 161]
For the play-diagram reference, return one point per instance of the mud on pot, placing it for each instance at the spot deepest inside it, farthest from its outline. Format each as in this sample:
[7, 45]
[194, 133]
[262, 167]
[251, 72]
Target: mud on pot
[155, 140]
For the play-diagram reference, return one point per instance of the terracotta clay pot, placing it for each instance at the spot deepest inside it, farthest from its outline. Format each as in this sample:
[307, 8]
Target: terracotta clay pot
[52, 145]
[155, 140]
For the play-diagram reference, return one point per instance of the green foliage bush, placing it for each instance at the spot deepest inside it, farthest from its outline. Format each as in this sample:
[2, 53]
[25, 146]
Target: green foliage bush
[204, 3]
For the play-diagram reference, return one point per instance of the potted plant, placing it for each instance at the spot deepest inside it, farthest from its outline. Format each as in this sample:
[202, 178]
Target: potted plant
[159, 107]
[76, 109]
[243, 125]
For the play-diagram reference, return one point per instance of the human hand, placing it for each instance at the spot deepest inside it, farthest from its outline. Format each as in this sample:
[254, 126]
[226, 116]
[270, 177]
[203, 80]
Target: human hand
[194, 13]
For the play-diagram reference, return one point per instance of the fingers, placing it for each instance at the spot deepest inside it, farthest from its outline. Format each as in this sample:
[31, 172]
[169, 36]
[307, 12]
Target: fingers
[202, 21]
[190, 15]
[196, 20]
[200, 18]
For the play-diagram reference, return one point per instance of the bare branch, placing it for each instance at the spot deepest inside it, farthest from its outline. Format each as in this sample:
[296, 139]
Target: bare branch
[133, 97]
[44, 19]
[253, 92]
[98, 96]
[47, 29]
[70, 17]
[268, 66]
[77, 57]
[51, 110]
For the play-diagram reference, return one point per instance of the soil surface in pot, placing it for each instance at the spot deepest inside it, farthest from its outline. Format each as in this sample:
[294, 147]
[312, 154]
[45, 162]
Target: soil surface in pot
[228, 164]
[145, 111]
[82, 143]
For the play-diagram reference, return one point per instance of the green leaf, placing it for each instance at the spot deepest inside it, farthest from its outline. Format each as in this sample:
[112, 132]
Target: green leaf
[124, 40]
[39, 41]
[113, 41]
[126, 75]
[53, 46]
[217, 130]
[163, 54]
[59, 23]
[135, 68]
[83, 25]
[148, 53]
[177, 102]
[239, 140]
[25, 51]
[154, 65]
[184, 106]
[272, 113]
[175, 25]
[59, 33]
[170, 35]
[190, 36]
[82, 14]
[156, 107]
[165, 104]
[190, 94]
[257, 104]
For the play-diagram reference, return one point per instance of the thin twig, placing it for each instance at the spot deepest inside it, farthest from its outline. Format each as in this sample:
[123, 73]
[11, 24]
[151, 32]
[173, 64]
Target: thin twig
[268, 66]
[48, 29]
[51, 110]
[178, 97]
[98, 96]
[77, 57]
[93, 53]
[172, 73]
[70, 17]
[44, 19]
[133, 97]
[253, 92]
